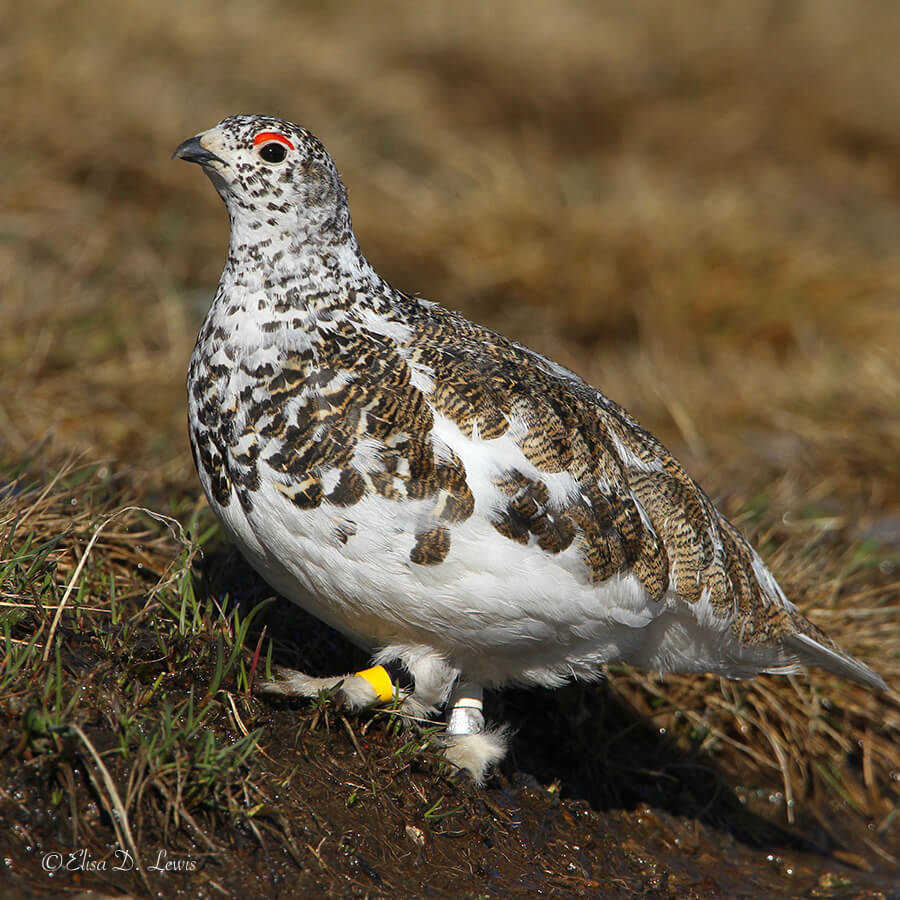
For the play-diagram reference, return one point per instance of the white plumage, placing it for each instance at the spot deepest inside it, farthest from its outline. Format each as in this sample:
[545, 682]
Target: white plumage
[441, 495]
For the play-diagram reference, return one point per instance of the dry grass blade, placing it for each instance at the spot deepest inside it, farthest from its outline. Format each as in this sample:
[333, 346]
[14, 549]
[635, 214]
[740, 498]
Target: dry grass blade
[696, 211]
[115, 807]
[66, 469]
[173, 524]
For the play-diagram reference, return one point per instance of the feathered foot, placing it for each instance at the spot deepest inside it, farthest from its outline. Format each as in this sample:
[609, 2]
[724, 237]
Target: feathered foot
[357, 690]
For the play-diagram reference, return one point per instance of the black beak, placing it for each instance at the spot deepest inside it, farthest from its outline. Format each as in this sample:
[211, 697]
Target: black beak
[193, 151]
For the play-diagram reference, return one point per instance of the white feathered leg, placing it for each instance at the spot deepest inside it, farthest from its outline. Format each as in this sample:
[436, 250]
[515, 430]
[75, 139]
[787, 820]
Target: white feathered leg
[467, 744]
[358, 690]
[423, 688]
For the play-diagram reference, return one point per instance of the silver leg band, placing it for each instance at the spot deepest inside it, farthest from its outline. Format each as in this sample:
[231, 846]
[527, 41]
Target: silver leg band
[464, 714]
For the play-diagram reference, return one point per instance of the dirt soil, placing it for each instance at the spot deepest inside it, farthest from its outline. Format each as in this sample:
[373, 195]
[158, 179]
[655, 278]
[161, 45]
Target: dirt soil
[595, 800]
[696, 206]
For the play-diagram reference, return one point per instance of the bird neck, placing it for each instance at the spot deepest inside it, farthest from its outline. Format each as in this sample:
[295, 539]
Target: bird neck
[271, 269]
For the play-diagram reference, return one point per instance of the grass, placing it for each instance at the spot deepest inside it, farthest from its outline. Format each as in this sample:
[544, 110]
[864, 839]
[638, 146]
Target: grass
[697, 212]
[107, 659]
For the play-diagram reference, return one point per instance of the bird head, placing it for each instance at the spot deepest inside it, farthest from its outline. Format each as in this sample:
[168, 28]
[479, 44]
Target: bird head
[272, 175]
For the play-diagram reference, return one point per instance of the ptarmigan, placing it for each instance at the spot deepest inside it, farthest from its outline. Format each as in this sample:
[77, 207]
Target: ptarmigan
[467, 511]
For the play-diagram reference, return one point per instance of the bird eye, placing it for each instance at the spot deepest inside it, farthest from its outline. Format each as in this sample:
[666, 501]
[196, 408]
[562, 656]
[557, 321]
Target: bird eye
[273, 152]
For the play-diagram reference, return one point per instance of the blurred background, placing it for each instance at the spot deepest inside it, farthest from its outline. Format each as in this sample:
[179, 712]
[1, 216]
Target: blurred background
[694, 205]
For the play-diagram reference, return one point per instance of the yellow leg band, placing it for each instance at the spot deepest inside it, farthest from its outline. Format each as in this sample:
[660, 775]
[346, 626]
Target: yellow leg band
[378, 677]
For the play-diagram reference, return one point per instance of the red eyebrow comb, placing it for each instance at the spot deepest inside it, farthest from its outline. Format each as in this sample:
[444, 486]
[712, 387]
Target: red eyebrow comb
[265, 136]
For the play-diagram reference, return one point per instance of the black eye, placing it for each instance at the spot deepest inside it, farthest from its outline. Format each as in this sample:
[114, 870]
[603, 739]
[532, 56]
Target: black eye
[273, 152]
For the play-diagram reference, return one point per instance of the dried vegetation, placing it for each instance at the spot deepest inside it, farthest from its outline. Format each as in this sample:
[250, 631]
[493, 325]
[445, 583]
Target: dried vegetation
[693, 205]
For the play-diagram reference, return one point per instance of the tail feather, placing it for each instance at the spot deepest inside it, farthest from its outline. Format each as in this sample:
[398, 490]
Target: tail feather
[811, 652]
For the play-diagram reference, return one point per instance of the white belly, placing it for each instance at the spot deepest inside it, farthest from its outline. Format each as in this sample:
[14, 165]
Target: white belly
[497, 609]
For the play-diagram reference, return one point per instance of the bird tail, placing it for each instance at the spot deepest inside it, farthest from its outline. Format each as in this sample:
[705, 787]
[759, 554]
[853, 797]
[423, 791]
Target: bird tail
[822, 653]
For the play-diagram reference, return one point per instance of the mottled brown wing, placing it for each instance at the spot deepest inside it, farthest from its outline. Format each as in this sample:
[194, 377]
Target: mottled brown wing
[636, 508]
